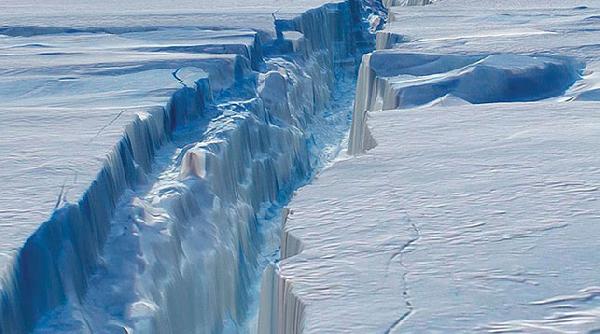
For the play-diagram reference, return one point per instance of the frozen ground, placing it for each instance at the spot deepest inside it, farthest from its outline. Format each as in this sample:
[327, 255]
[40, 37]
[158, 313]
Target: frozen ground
[469, 201]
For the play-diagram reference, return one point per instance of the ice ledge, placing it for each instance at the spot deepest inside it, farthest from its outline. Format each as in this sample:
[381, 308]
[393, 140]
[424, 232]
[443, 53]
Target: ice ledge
[54, 263]
[391, 79]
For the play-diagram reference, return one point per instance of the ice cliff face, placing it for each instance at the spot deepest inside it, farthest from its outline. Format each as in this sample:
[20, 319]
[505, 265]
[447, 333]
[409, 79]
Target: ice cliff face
[510, 56]
[390, 80]
[167, 238]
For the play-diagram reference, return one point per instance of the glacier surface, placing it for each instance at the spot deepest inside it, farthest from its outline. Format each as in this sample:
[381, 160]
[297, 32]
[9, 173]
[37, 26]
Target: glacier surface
[467, 202]
[479, 218]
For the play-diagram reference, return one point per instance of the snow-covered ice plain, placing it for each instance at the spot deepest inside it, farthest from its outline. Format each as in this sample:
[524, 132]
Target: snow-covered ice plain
[462, 219]
[468, 201]
[148, 148]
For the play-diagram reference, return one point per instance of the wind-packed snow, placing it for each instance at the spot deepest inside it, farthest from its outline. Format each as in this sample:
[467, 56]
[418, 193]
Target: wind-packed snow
[533, 28]
[473, 218]
[90, 14]
[468, 203]
[147, 151]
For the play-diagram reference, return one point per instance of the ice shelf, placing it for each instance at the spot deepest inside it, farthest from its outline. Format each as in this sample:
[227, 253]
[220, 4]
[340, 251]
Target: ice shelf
[477, 218]
[144, 151]
[468, 200]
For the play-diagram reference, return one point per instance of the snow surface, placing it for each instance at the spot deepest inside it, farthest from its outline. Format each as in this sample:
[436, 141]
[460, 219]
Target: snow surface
[86, 14]
[462, 219]
[443, 52]
[537, 28]
[469, 200]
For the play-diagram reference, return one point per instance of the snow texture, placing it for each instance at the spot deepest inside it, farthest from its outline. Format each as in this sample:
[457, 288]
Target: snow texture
[477, 218]
[468, 201]
[454, 51]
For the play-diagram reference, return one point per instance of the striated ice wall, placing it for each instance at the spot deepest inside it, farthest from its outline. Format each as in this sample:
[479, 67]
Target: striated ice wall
[280, 311]
[55, 262]
[252, 158]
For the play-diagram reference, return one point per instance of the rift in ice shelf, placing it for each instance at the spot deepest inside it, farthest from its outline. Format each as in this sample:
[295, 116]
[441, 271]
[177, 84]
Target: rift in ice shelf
[315, 166]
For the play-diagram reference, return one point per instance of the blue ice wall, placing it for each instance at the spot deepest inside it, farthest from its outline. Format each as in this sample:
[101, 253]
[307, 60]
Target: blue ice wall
[58, 258]
[252, 156]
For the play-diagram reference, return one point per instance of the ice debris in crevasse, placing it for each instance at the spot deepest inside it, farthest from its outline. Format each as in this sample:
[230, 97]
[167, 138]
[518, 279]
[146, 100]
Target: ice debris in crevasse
[161, 150]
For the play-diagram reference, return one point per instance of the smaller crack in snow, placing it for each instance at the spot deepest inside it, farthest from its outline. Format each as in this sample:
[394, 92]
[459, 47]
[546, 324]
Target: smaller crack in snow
[64, 191]
[106, 126]
[400, 253]
[398, 322]
[60, 195]
[177, 77]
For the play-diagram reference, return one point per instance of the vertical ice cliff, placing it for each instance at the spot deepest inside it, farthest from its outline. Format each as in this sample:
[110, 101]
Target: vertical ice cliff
[280, 311]
[347, 266]
[360, 139]
[55, 263]
[391, 79]
[167, 238]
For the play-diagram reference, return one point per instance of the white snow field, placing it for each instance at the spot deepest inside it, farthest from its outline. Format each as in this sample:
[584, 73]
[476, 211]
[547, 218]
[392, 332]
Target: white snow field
[148, 147]
[468, 202]
[478, 218]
